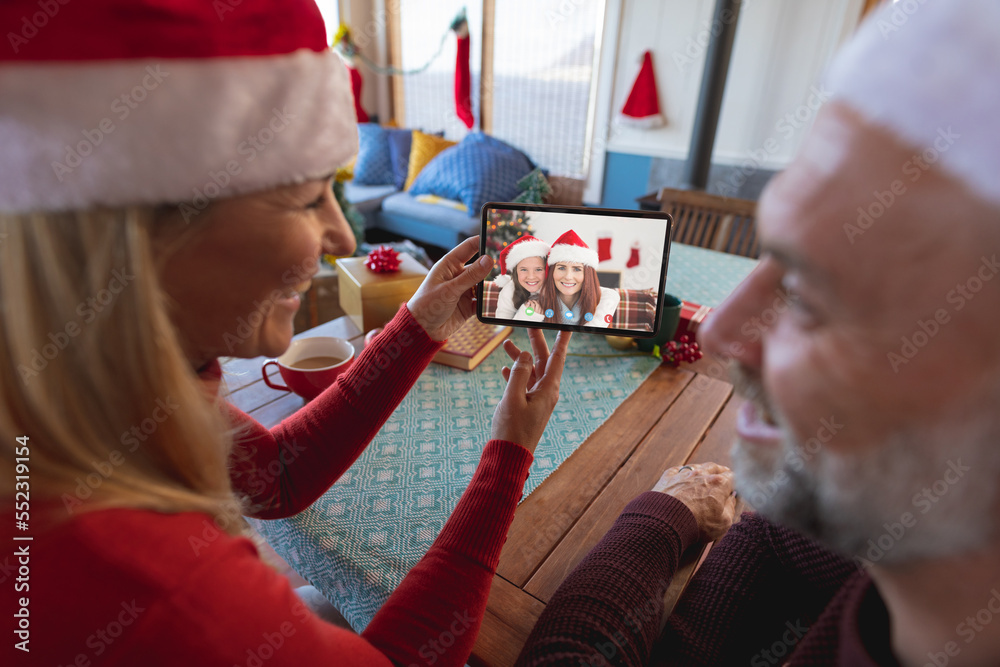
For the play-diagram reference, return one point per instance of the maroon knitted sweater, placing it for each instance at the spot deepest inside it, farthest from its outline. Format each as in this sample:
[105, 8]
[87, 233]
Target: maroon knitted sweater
[765, 595]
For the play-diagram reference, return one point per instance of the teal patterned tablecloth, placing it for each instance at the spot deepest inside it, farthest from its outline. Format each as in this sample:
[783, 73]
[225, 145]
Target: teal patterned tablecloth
[705, 277]
[357, 542]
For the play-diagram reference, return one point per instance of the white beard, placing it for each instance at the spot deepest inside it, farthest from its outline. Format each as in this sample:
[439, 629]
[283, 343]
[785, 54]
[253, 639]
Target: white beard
[855, 502]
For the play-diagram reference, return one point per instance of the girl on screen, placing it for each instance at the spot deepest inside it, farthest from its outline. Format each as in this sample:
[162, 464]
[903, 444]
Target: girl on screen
[571, 293]
[522, 272]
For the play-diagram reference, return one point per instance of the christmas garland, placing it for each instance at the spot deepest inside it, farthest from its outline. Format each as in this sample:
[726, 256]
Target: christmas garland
[344, 44]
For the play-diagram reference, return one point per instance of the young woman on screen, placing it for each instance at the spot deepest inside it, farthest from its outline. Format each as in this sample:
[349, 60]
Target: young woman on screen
[571, 293]
[522, 272]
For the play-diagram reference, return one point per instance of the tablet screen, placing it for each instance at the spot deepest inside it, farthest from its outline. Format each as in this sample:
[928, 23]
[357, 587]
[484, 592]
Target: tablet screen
[575, 268]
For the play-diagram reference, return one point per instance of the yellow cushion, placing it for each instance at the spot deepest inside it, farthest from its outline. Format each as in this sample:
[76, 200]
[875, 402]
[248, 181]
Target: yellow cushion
[441, 201]
[423, 150]
[346, 173]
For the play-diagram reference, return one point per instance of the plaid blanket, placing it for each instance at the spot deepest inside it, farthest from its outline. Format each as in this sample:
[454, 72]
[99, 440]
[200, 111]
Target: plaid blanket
[637, 309]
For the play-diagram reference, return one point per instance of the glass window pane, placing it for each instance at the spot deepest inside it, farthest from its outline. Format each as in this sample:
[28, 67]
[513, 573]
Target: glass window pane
[330, 9]
[430, 95]
[543, 66]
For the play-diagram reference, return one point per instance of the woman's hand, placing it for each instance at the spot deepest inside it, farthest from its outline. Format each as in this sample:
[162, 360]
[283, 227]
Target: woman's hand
[532, 390]
[707, 490]
[533, 304]
[444, 301]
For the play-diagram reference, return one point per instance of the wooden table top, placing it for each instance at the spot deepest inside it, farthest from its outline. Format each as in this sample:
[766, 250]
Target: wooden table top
[677, 416]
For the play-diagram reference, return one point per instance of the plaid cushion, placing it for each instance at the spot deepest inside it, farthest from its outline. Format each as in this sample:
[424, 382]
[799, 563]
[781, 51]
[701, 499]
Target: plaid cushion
[637, 309]
[490, 296]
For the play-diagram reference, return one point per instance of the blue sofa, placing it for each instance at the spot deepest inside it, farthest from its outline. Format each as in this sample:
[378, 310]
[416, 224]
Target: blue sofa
[398, 212]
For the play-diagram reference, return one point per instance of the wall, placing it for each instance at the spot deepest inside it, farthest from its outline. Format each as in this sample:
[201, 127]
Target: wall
[625, 234]
[782, 48]
[626, 177]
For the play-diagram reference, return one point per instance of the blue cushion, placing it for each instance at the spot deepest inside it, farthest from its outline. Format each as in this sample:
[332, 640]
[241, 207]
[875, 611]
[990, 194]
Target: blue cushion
[373, 166]
[400, 142]
[479, 169]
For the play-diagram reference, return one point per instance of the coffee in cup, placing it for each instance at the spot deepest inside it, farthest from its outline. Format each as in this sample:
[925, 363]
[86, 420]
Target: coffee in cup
[310, 365]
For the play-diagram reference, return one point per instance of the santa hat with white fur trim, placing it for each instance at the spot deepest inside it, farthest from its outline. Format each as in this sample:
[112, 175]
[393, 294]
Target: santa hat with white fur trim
[511, 256]
[570, 248]
[121, 102]
[926, 72]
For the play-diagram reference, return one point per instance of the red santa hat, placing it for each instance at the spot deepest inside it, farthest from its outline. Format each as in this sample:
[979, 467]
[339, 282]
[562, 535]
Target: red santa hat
[570, 248]
[119, 102]
[511, 256]
[642, 108]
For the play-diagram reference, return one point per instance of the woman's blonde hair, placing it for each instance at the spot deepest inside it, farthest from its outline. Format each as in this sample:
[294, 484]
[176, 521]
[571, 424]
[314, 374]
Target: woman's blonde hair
[93, 372]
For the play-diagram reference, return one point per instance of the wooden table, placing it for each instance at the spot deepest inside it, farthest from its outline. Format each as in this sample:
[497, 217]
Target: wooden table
[676, 416]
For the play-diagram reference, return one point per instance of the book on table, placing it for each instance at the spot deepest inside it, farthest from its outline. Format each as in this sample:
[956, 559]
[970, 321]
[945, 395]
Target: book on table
[467, 347]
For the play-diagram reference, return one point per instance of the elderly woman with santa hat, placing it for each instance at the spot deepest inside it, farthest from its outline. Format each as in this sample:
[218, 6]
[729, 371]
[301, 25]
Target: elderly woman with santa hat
[167, 177]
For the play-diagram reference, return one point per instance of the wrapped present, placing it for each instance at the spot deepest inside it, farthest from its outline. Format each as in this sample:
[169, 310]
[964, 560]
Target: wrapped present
[692, 315]
[372, 299]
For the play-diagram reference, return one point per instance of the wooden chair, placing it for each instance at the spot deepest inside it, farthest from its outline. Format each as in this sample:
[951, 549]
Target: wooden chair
[709, 221]
[566, 191]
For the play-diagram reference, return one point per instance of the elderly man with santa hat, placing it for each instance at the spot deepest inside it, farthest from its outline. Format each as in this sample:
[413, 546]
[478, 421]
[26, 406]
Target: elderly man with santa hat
[868, 441]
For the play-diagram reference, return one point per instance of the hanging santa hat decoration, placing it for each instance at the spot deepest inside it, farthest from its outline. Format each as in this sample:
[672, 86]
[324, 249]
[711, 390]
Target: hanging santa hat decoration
[514, 253]
[348, 50]
[463, 77]
[642, 108]
[570, 248]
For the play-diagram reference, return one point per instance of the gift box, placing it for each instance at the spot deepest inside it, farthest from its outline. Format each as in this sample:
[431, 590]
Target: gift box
[692, 315]
[372, 299]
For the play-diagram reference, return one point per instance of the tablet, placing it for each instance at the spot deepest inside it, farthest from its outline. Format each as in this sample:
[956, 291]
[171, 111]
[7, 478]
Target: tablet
[574, 268]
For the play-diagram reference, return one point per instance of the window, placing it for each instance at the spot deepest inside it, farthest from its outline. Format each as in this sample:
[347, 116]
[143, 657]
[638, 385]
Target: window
[330, 9]
[543, 66]
[429, 97]
[542, 99]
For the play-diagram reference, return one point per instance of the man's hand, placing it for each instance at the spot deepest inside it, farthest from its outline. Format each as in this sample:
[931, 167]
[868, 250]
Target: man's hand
[707, 490]
[532, 390]
[444, 301]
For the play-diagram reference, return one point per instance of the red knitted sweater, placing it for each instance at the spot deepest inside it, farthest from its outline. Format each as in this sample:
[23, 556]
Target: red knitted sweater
[132, 587]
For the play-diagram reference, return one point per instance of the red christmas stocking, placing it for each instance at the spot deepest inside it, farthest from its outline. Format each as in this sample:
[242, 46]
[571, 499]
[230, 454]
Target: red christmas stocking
[356, 88]
[633, 259]
[603, 249]
[463, 83]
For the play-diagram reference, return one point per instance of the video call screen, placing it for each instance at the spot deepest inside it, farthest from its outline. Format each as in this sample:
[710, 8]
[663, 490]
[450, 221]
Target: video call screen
[574, 268]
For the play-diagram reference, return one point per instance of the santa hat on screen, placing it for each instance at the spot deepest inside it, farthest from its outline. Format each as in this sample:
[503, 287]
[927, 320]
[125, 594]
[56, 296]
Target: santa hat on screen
[570, 248]
[511, 256]
[121, 102]
[642, 108]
